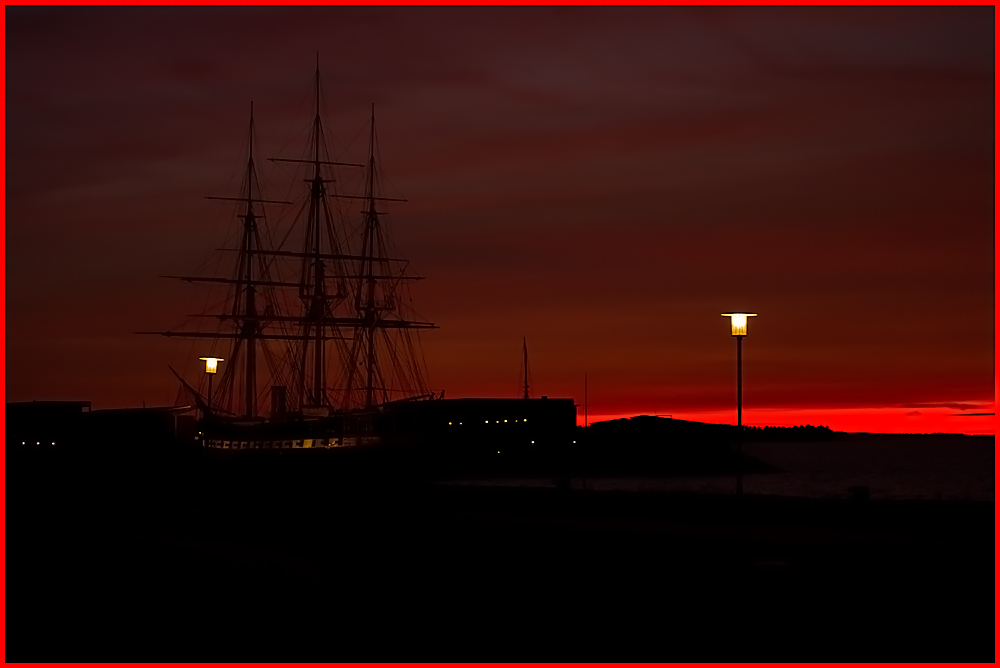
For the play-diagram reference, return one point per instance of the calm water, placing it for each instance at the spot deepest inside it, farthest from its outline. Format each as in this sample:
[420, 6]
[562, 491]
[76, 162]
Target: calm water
[921, 468]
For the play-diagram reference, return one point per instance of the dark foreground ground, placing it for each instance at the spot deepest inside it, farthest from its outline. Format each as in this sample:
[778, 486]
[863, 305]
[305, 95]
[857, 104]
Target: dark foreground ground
[300, 558]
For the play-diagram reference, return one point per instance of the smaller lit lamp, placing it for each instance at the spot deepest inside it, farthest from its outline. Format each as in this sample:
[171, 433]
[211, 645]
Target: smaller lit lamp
[212, 364]
[211, 368]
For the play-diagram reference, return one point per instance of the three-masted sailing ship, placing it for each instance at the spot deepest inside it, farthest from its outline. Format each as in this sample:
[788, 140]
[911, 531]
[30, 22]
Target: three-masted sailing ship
[318, 341]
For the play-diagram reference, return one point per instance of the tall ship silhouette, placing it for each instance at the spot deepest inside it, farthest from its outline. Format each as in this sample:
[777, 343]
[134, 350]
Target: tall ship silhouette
[316, 342]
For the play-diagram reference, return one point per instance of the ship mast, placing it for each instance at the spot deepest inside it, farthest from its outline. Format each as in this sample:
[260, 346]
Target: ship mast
[368, 310]
[313, 291]
[318, 323]
[243, 316]
[249, 325]
[382, 347]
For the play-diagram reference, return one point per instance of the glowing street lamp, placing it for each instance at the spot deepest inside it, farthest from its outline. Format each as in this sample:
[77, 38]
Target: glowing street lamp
[211, 368]
[738, 320]
[739, 324]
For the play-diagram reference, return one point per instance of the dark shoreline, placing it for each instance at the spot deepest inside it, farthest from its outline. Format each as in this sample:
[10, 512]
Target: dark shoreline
[158, 560]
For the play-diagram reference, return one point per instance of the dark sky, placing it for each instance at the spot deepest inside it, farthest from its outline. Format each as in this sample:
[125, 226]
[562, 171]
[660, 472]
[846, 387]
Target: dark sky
[604, 181]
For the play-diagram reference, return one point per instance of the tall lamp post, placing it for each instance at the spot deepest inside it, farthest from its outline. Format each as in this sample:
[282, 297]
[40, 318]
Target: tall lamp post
[738, 320]
[211, 368]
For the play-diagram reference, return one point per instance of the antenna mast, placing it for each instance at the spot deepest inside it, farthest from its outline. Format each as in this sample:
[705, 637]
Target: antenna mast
[525, 343]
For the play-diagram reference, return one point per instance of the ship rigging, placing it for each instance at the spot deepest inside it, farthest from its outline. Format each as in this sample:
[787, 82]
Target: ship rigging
[334, 328]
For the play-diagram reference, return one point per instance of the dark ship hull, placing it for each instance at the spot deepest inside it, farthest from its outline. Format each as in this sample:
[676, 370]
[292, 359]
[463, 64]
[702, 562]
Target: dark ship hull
[489, 425]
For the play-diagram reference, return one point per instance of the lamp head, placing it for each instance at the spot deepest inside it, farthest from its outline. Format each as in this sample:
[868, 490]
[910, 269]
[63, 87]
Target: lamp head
[212, 363]
[738, 319]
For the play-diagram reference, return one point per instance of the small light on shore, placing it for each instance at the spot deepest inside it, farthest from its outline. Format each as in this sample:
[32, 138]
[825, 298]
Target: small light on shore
[212, 364]
[211, 367]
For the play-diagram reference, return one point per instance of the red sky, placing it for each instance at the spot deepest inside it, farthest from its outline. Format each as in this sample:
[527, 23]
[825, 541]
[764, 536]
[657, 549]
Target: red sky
[602, 181]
